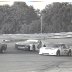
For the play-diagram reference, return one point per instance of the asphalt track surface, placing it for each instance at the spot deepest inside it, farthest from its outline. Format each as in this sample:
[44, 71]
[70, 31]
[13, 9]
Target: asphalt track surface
[24, 61]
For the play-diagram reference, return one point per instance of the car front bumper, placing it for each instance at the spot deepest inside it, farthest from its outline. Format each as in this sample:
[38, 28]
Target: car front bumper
[48, 52]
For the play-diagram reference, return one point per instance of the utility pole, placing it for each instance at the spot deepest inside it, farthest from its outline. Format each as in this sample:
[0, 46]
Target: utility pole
[41, 16]
[41, 20]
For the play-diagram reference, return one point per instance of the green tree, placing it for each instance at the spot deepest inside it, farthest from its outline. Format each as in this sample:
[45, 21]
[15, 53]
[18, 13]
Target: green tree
[58, 16]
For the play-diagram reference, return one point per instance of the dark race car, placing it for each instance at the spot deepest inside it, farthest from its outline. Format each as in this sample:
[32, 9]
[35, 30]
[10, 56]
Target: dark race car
[28, 45]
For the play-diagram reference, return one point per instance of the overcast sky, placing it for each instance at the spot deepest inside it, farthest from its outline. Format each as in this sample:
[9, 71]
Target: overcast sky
[37, 5]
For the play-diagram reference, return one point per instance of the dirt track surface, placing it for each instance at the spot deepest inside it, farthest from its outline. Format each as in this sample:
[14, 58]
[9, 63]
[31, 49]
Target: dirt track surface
[24, 61]
[34, 63]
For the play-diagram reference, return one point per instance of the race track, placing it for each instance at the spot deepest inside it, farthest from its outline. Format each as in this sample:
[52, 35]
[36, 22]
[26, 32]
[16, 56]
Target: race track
[24, 61]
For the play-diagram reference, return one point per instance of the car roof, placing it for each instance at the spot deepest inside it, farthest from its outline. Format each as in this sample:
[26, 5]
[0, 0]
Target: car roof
[32, 40]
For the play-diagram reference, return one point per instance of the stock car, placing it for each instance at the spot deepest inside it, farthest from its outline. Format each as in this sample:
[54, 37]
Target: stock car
[55, 49]
[28, 45]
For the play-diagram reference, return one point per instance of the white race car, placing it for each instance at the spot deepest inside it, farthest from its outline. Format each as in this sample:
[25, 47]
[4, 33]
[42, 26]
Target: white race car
[55, 49]
[28, 45]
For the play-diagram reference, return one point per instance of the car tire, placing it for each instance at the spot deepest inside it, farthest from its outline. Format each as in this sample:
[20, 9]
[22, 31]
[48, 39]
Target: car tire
[3, 49]
[29, 48]
[58, 53]
[16, 47]
[69, 53]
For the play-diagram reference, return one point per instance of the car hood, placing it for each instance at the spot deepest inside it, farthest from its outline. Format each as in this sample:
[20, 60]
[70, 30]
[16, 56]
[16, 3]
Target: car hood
[49, 48]
[22, 43]
[25, 43]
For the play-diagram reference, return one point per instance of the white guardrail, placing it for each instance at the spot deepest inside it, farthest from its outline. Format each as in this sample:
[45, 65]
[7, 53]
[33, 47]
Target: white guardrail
[61, 35]
[42, 35]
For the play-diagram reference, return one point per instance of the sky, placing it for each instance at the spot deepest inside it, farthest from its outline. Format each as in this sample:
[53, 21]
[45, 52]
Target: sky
[37, 5]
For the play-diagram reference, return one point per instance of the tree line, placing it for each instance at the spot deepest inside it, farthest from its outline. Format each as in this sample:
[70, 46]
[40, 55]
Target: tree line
[24, 19]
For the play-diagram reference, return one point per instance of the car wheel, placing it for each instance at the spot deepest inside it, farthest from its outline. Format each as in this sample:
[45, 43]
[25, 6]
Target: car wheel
[16, 47]
[58, 53]
[2, 51]
[69, 53]
[29, 48]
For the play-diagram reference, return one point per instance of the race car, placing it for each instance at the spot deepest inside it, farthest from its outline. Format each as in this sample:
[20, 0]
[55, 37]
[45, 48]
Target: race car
[55, 49]
[28, 45]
